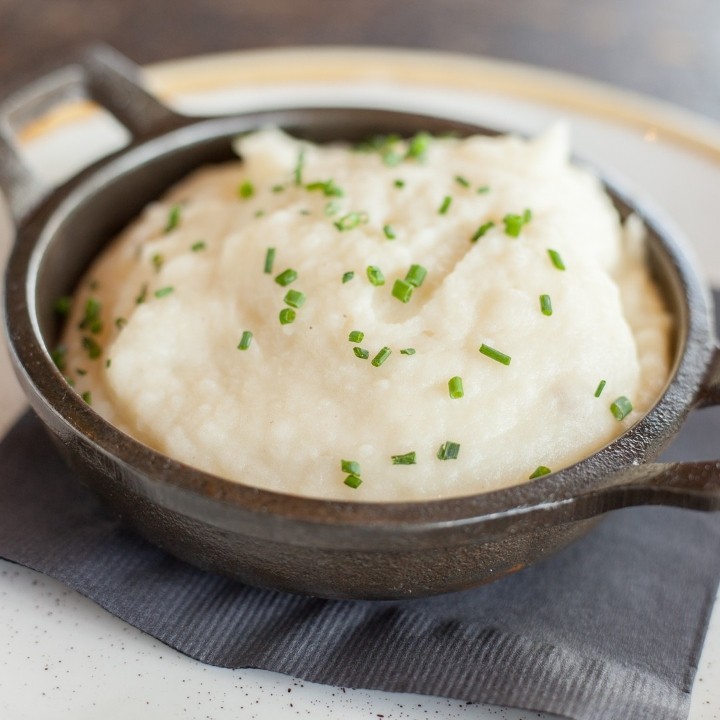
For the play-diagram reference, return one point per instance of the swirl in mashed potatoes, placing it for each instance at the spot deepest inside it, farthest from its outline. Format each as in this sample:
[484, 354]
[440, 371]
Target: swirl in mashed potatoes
[412, 320]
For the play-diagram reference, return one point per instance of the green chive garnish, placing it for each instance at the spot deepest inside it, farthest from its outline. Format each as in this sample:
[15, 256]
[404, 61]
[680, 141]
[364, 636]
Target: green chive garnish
[353, 481]
[539, 471]
[63, 305]
[482, 230]
[245, 340]
[164, 292]
[418, 146]
[361, 353]
[287, 316]
[81, 371]
[108, 362]
[294, 298]
[350, 221]
[600, 388]
[143, 295]
[91, 320]
[514, 224]
[299, 166]
[556, 260]
[483, 189]
[87, 397]
[348, 276]
[157, 261]
[198, 246]
[460, 180]
[448, 451]
[277, 188]
[93, 348]
[120, 323]
[407, 351]
[445, 205]
[269, 260]
[389, 232]
[406, 459]
[173, 219]
[545, 305]
[621, 408]
[494, 354]
[350, 467]
[286, 277]
[58, 356]
[356, 336]
[332, 208]
[246, 190]
[455, 387]
[328, 188]
[402, 290]
[381, 357]
[416, 275]
[399, 183]
[375, 276]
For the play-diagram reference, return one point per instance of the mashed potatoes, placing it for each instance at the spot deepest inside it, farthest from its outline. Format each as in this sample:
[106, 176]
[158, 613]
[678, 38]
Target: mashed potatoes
[412, 320]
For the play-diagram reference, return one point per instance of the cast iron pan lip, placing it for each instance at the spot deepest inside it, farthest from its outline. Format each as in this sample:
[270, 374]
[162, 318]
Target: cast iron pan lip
[32, 362]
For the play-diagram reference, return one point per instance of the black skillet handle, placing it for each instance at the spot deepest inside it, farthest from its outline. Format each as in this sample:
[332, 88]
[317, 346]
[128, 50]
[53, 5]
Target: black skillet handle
[102, 75]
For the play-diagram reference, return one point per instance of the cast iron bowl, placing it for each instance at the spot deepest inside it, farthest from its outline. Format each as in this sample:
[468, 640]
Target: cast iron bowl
[326, 548]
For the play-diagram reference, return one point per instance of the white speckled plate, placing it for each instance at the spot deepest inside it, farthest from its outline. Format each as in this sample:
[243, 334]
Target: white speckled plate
[64, 658]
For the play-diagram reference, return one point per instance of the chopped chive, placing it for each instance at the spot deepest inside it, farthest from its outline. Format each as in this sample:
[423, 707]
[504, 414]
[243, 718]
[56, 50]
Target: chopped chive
[448, 451]
[245, 340]
[269, 260]
[513, 224]
[389, 232]
[286, 277]
[445, 205]
[277, 188]
[87, 397]
[246, 190]
[332, 208]
[198, 246]
[299, 166]
[259, 213]
[381, 357]
[81, 371]
[108, 362]
[91, 320]
[294, 298]
[416, 275]
[143, 295]
[391, 158]
[455, 387]
[399, 183]
[157, 261]
[406, 459]
[408, 351]
[351, 467]
[546, 305]
[304, 211]
[494, 354]
[555, 259]
[621, 408]
[329, 188]
[483, 189]
[58, 356]
[350, 221]
[353, 481]
[164, 292]
[287, 316]
[402, 290]
[361, 353]
[375, 276]
[539, 471]
[120, 323]
[418, 146]
[93, 285]
[460, 180]
[600, 388]
[173, 219]
[356, 336]
[63, 305]
[527, 216]
[93, 348]
[482, 230]
[348, 276]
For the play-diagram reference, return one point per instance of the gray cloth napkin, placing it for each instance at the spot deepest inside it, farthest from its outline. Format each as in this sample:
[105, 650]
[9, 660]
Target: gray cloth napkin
[611, 627]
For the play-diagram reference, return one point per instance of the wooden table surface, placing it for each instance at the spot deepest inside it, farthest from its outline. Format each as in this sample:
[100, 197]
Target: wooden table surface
[665, 48]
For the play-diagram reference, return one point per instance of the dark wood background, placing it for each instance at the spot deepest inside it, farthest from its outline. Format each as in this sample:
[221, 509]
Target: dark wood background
[664, 48]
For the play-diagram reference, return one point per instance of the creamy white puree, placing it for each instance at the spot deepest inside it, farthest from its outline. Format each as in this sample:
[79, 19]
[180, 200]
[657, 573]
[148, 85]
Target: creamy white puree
[284, 413]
